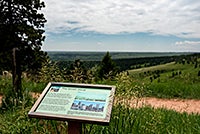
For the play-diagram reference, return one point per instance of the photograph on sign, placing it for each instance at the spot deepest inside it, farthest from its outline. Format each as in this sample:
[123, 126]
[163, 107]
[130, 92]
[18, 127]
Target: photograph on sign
[70, 101]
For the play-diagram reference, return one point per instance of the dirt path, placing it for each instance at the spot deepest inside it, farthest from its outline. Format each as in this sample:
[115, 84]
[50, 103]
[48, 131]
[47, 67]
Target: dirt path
[179, 105]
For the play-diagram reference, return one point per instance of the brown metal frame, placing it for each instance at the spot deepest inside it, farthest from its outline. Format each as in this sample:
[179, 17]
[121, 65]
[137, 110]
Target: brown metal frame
[33, 114]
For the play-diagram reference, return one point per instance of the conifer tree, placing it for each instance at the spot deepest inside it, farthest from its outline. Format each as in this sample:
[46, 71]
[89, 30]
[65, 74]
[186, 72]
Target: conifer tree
[21, 37]
[108, 67]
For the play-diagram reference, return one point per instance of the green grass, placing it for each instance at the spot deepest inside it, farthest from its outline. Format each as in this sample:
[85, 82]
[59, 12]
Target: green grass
[33, 86]
[173, 89]
[149, 120]
[17, 122]
[5, 84]
[168, 66]
[123, 121]
[174, 81]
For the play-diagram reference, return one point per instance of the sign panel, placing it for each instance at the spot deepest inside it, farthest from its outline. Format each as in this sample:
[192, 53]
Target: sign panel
[75, 102]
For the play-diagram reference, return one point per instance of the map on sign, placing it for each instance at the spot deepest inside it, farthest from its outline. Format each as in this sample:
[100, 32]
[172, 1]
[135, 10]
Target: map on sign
[70, 101]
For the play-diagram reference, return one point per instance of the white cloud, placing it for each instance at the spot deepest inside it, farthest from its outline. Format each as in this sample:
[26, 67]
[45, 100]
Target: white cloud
[186, 42]
[188, 45]
[99, 43]
[166, 17]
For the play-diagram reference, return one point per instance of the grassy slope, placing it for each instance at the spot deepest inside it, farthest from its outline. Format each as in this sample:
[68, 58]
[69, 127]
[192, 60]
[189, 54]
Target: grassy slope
[167, 66]
[185, 83]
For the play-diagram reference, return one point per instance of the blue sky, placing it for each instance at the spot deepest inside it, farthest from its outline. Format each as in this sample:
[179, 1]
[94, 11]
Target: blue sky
[122, 25]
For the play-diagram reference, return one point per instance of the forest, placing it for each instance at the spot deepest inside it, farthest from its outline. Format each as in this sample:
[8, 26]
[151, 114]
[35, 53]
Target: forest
[124, 60]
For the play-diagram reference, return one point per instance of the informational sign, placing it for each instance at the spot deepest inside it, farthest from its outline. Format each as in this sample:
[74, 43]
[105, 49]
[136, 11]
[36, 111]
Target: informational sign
[75, 102]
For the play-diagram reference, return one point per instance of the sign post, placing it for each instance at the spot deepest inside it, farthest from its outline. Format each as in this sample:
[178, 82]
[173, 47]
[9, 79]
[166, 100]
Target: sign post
[74, 127]
[75, 103]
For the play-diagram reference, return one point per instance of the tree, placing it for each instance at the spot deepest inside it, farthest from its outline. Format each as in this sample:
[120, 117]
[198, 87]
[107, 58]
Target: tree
[108, 67]
[77, 72]
[21, 37]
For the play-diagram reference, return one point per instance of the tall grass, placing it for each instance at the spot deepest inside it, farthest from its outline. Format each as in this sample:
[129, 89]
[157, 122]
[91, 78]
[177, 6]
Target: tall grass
[18, 122]
[147, 120]
[173, 89]
[174, 81]
[124, 120]
[5, 84]
[34, 86]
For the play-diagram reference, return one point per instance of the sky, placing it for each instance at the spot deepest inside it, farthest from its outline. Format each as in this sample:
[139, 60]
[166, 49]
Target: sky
[122, 25]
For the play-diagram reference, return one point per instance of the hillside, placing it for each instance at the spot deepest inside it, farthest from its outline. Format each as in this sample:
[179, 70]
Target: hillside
[179, 80]
[170, 80]
[124, 60]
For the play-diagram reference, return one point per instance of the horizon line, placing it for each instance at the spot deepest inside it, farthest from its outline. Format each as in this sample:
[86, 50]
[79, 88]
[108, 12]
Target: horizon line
[121, 51]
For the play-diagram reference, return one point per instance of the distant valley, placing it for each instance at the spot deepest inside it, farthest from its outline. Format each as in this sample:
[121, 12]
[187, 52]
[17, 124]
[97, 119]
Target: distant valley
[97, 56]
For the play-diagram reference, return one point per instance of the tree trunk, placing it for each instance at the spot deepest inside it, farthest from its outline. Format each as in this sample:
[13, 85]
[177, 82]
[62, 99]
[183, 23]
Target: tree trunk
[16, 72]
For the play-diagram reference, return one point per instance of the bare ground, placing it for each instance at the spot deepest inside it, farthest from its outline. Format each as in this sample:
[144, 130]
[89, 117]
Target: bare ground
[179, 105]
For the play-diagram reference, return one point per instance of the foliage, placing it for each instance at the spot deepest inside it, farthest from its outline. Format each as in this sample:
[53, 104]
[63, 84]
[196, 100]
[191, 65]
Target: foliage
[97, 56]
[17, 121]
[147, 120]
[34, 87]
[123, 60]
[9, 101]
[171, 80]
[5, 84]
[21, 36]
[21, 27]
[108, 68]
[123, 120]
[176, 89]
[127, 86]
[77, 72]
[48, 73]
